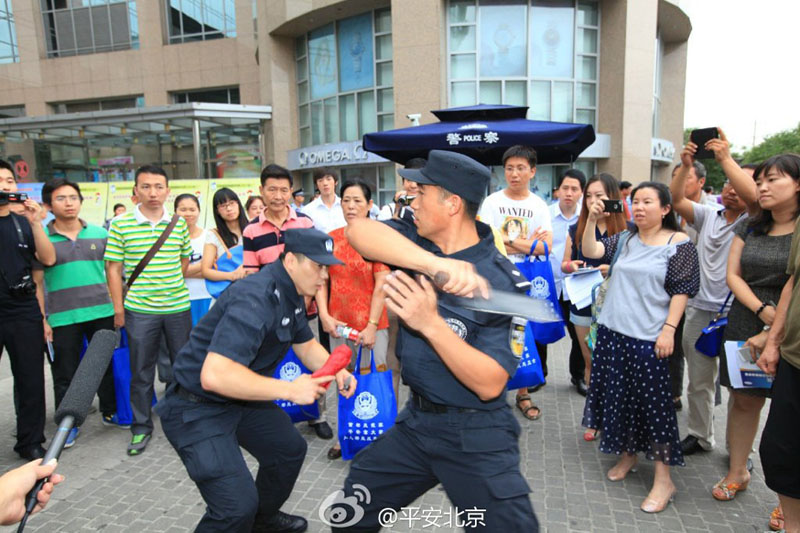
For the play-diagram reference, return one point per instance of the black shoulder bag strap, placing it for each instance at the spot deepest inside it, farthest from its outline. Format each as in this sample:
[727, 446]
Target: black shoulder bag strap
[153, 250]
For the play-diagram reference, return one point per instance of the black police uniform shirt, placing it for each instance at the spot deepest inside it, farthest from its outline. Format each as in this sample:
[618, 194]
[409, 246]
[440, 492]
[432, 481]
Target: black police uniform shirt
[492, 334]
[254, 322]
[16, 260]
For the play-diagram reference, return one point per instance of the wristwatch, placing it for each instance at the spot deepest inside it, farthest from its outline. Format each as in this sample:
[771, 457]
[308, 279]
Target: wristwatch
[766, 328]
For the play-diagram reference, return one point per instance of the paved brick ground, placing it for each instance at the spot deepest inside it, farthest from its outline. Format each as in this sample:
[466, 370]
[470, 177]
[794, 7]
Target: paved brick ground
[108, 491]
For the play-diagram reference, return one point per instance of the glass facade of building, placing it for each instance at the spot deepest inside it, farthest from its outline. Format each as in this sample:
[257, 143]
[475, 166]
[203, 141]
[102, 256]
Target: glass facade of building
[543, 54]
[8, 34]
[344, 79]
[74, 27]
[200, 20]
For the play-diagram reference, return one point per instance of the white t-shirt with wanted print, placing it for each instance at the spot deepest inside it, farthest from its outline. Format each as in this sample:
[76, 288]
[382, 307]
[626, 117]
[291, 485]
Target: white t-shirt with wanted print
[515, 218]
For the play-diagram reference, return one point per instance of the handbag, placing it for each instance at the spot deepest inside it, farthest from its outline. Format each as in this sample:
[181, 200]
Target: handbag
[227, 262]
[539, 272]
[599, 292]
[290, 369]
[529, 370]
[710, 340]
[369, 412]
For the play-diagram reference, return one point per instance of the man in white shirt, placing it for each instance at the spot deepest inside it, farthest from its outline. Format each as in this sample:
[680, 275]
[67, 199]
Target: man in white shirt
[326, 211]
[563, 214]
[522, 218]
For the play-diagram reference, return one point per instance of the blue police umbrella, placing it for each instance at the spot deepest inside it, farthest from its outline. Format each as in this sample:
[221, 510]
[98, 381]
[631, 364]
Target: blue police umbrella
[483, 132]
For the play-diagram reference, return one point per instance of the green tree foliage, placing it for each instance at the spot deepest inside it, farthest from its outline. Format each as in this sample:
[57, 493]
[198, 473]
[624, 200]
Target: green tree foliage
[778, 143]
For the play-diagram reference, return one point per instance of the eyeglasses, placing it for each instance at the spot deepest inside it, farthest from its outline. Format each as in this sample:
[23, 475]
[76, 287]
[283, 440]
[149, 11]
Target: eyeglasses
[519, 169]
[71, 198]
[227, 205]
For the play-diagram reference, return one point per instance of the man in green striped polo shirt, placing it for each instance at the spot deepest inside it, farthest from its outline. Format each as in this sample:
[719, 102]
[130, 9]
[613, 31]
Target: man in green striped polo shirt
[157, 304]
[78, 304]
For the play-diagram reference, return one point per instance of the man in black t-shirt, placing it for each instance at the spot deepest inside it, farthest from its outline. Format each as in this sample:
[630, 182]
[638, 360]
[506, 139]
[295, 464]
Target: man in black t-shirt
[23, 240]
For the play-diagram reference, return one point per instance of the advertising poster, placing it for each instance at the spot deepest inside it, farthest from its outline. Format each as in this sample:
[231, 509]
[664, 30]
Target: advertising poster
[199, 188]
[243, 187]
[33, 190]
[355, 53]
[239, 162]
[119, 192]
[95, 196]
[322, 62]
[503, 40]
[552, 36]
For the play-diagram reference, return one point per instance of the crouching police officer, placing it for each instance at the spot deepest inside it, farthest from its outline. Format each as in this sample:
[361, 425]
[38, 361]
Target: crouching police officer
[222, 398]
[457, 428]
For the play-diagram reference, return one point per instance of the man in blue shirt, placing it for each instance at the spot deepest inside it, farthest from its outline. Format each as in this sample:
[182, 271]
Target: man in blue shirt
[457, 428]
[222, 396]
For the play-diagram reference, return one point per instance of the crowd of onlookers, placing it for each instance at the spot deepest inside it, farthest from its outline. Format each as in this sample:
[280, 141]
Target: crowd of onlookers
[674, 258]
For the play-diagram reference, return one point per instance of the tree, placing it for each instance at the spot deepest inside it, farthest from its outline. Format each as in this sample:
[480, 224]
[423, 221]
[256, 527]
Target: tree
[778, 143]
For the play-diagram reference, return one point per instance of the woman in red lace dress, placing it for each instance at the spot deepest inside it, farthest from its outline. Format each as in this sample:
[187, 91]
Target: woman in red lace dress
[354, 297]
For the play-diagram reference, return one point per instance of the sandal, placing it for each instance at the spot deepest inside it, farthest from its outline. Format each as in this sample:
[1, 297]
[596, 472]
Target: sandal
[590, 435]
[776, 519]
[334, 453]
[726, 492]
[526, 410]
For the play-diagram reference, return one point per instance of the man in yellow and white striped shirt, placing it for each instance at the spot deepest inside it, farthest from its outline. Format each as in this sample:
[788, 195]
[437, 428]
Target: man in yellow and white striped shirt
[158, 301]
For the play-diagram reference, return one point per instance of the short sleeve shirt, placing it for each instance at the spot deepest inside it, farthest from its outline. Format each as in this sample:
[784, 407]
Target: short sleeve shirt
[516, 218]
[714, 237]
[254, 322]
[14, 266]
[263, 241]
[790, 348]
[352, 285]
[160, 288]
[422, 368]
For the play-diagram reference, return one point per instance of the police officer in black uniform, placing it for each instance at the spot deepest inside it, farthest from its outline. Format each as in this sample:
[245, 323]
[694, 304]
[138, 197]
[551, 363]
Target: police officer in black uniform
[222, 396]
[457, 429]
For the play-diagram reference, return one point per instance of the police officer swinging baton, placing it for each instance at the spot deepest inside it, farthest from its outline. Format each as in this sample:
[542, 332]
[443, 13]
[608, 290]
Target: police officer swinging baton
[503, 303]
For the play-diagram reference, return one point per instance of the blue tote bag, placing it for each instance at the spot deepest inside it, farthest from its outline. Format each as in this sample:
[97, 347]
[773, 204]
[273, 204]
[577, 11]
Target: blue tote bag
[290, 369]
[228, 262]
[537, 270]
[368, 413]
[529, 370]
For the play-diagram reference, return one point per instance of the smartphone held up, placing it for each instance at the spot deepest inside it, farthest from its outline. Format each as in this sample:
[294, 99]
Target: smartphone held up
[700, 137]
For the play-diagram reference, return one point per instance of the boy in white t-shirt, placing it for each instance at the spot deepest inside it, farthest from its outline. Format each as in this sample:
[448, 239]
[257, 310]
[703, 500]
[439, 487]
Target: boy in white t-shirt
[521, 217]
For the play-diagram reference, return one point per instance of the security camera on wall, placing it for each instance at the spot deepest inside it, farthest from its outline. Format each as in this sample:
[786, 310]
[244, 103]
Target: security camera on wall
[414, 118]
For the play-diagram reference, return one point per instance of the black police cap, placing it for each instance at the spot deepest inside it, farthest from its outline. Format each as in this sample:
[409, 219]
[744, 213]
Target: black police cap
[454, 172]
[298, 192]
[312, 243]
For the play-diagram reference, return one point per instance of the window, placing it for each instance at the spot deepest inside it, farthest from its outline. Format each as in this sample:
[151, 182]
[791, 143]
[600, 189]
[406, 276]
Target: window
[89, 26]
[200, 20]
[539, 53]
[8, 34]
[98, 105]
[344, 79]
[215, 96]
[13, 111]
[657, 85]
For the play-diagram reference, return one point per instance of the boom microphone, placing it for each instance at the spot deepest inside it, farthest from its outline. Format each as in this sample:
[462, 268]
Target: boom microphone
[75, 406]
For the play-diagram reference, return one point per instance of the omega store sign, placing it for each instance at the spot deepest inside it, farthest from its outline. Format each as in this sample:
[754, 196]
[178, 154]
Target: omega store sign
[332, 155]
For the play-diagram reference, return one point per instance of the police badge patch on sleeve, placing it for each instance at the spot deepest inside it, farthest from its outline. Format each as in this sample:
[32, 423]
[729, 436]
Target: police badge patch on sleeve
[516, 336]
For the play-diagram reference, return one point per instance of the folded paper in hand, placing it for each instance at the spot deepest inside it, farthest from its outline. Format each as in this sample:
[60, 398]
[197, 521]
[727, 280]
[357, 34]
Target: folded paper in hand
[579, 286]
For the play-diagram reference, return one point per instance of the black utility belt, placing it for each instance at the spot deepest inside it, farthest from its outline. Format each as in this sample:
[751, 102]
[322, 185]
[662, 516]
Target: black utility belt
[421, 403]
[194, 398]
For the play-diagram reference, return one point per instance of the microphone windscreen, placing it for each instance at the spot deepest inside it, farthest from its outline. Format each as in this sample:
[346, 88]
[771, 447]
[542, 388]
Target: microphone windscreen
[86, 380]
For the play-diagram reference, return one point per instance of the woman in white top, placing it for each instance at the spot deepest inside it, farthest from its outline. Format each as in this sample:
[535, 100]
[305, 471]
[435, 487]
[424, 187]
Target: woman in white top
[188, 206]
[230, 219]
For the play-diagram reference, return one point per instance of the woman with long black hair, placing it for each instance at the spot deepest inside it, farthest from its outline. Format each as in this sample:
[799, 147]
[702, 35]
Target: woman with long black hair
[230, 221]
[630, 398]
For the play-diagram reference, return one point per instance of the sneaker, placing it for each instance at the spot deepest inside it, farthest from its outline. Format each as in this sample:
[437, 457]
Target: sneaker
[113, 421]
[73, 434]
[138, 444]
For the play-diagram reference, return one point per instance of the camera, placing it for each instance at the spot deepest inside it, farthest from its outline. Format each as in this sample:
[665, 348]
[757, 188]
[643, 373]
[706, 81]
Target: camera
[405, 201]
[9, 197]
[25, 288]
